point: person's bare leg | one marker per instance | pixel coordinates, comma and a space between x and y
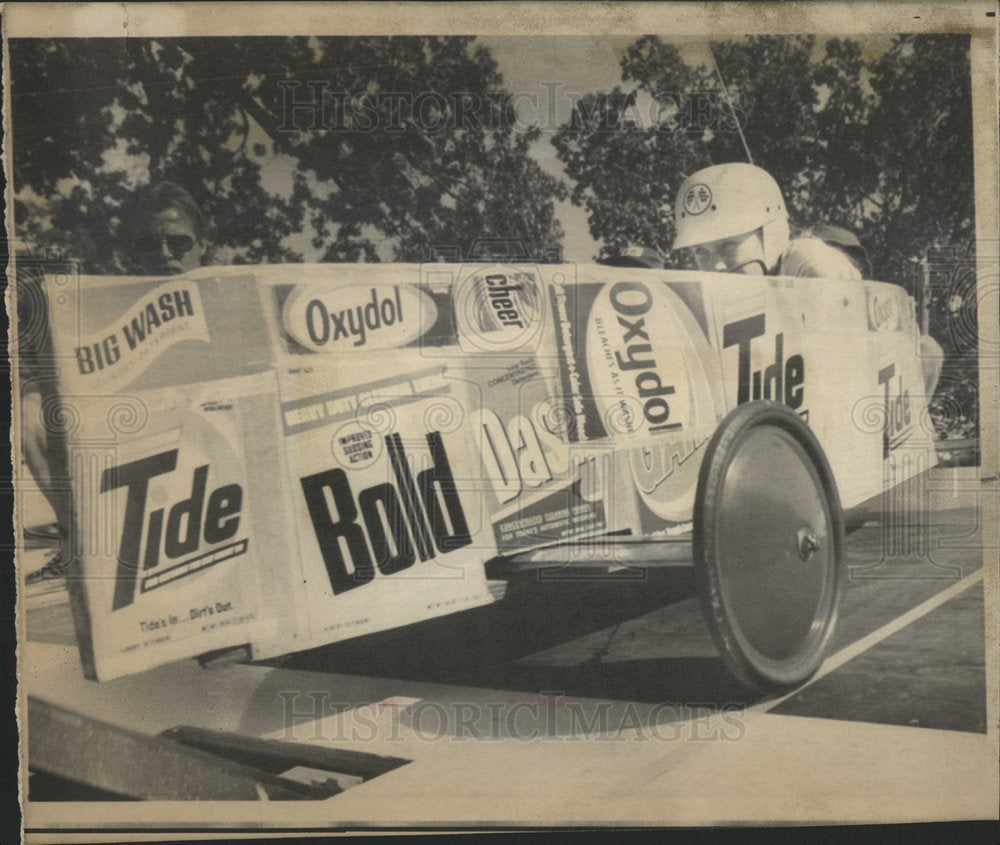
35, 445
35, 448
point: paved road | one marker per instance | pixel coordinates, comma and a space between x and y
897, 712
646, 641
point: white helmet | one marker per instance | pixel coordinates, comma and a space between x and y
726, 200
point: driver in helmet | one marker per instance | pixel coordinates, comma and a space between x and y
733, 219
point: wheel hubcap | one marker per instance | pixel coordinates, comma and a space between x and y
807, 542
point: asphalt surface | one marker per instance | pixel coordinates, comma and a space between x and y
596, 701
646, 641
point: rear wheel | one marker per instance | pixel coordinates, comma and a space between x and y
768, 545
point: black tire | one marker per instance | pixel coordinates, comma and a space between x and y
766, 495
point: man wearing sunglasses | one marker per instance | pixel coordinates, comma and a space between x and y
170, 236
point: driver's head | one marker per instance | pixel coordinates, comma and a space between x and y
732, 218
170, 231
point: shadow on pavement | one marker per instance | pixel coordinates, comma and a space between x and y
485, 647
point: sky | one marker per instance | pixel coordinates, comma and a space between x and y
547, 76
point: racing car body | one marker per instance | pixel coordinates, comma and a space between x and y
285, 456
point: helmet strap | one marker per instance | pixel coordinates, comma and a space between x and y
747, 263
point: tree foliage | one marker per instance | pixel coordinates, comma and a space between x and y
879, 141
414, 147
881, 145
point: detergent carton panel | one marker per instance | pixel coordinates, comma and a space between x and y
387, 498
181, 524
846, 363
490, 325
143, 334
285, 456
638, 371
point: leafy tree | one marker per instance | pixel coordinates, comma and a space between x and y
836, 131
918, 146
410, 144
623, 170
881, 144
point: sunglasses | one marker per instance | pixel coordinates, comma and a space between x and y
178, 245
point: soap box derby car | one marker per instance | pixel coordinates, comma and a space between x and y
278, 457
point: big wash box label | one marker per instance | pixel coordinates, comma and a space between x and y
117, 335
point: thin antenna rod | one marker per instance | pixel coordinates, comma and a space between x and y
729, 102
